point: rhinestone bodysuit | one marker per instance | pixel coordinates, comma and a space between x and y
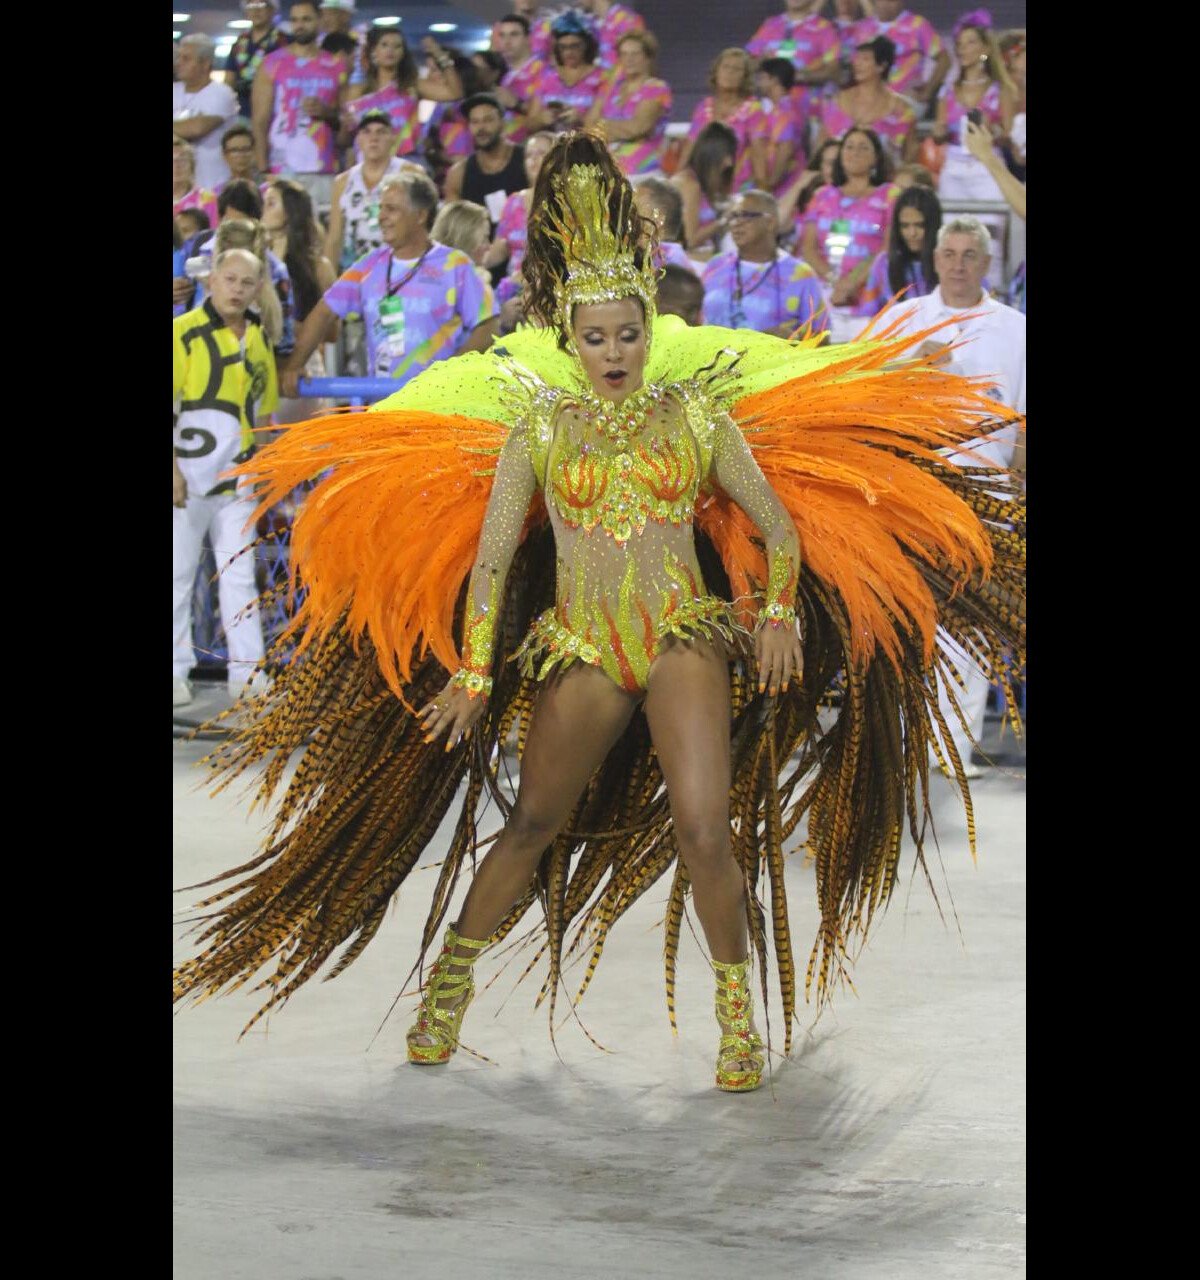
621, 510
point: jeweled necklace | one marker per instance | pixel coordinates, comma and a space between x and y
621, 422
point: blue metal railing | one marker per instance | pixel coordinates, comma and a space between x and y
358, 391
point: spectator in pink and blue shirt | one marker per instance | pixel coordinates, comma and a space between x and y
810, 43
634, 107
907, 264
572, 81
867, 101
785, 130
758, 286
734, 104
921, 59
612, 23
421, 301
847, 223
516, 88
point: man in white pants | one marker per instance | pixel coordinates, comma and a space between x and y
993, 338
224, 374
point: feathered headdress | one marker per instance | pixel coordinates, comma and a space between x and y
599, 250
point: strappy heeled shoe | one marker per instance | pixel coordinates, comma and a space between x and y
735, 1005
437, 1023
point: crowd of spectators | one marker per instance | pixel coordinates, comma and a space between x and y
384, 190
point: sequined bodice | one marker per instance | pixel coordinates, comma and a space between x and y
622, 518
619, 486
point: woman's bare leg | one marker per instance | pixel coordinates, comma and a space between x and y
687, 708
578, 717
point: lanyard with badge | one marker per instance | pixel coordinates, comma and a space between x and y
737, 317
390, 313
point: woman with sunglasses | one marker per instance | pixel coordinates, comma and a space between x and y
567, 89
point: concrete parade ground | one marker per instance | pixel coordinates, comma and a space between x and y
890, 1146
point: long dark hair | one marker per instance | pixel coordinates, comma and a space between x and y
544, 264
881, 170
303, 245
712, 160
406, 72
929, 207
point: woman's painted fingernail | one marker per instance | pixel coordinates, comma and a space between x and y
449, 745
772, 691
762, 686
429, 737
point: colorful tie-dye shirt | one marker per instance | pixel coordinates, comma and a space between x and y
809, 43
551, 88
298, 143
448, 123
878, 289
244, 60
893, 129
783, 128
513, 227
442, 301
988, 106
541, 41
917, 44
859, 223
521, 81
401, 108
199, 198
748, 122
645, 154
762, 295
619, 21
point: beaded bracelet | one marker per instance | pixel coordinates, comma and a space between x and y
477, 686
777, 615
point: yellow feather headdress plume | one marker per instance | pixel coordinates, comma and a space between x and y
600, 262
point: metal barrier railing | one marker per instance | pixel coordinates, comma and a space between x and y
358, 391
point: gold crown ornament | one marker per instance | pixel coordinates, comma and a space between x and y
600, 262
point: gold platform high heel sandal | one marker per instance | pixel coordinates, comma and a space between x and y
437, 1021
735, 1005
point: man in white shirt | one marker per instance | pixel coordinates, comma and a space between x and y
993, 344
201, 108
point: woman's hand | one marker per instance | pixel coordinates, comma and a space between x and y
979, 143
780, 656
453, 709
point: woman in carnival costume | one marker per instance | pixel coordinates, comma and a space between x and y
656, 552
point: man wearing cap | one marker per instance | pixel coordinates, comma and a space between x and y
495, 168
250, 48
354, 216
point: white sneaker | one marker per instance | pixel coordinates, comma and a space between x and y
181, 692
